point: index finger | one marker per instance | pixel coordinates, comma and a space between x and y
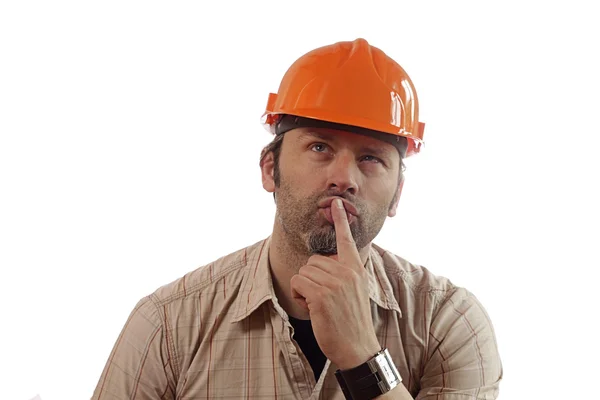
346, 247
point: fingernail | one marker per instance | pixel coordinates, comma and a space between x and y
339, 204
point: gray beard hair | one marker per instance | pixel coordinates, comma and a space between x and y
325, 243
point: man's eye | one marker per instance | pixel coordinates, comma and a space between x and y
371, 159
319, 147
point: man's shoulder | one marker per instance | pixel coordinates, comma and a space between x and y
415, 277
229, 268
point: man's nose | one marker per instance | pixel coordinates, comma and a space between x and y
342, 173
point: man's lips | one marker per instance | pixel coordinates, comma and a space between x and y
347, 205
329, 215
326, 205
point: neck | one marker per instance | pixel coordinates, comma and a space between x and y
286, 258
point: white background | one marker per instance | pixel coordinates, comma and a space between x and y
129, 144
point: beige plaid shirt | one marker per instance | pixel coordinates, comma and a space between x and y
219, 333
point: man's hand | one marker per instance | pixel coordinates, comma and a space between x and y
335, 292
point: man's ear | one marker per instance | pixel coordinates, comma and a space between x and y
267, 168
394, 205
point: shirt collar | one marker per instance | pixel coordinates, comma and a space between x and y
380, 288
257, 284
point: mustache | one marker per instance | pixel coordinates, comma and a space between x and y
343, 195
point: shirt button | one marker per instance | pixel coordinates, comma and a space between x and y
292, 349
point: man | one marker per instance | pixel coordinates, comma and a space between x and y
316, 310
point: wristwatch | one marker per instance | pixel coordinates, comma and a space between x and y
371, 379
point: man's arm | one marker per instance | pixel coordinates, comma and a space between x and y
139, 364
463, 355
463, 359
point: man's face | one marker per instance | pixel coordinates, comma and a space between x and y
317, 165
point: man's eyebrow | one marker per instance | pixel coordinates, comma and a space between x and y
382, 152
316, 134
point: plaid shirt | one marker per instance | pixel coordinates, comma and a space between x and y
218, 332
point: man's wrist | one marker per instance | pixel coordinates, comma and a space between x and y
357, 358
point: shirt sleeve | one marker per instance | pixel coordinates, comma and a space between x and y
463, 360
139, 366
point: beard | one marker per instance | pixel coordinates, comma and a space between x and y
310, 233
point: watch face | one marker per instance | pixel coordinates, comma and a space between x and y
387, 372
387, 369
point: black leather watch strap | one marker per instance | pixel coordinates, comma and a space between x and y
366, 393
362, 375
369, 380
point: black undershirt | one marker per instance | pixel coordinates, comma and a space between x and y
305, 337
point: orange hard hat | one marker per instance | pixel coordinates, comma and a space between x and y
352, 84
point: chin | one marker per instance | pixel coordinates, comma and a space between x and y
322, 241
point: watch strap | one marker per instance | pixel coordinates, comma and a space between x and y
370, 379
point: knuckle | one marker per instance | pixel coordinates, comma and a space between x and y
348, 273
321, 295
348, 239
337, 285
354, 276
306, 270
